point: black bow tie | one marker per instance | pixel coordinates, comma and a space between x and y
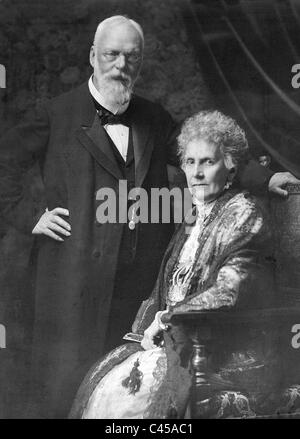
107, 117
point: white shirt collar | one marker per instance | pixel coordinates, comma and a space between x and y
101, 100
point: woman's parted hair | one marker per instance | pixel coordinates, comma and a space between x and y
214, 127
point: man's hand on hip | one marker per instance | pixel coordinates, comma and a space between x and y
51, 222
278, 182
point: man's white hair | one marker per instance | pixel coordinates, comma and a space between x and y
115, 20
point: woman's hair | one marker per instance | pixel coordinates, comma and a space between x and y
214, 127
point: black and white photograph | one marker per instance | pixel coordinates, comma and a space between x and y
149, 202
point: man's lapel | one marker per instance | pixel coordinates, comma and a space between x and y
142, 145
93, 137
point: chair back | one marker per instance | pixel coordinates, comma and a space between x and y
286, 226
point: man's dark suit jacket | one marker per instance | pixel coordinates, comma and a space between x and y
75, 279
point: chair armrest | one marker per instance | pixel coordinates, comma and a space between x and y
200, 326
262, 317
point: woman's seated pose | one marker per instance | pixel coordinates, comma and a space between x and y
219, 257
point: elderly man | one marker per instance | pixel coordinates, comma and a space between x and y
91, 277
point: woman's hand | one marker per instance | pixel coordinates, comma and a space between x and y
149, 334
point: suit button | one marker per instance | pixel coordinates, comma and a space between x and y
96, 253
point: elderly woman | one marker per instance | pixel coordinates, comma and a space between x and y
219, 260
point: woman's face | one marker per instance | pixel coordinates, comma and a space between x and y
205, 170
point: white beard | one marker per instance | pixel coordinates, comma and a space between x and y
116, 92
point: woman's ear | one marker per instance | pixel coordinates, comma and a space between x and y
232, 173
230, 177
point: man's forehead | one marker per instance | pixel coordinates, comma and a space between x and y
119, 33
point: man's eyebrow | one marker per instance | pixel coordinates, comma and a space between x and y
130, 52
202, 159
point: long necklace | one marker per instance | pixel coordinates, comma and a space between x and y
180, 280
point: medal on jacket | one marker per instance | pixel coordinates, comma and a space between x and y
131, 223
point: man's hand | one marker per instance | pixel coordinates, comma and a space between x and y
279, 180
149, 334
51, 222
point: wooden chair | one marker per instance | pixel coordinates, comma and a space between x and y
200, 327
282, 318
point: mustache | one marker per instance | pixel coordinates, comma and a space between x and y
122, 78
